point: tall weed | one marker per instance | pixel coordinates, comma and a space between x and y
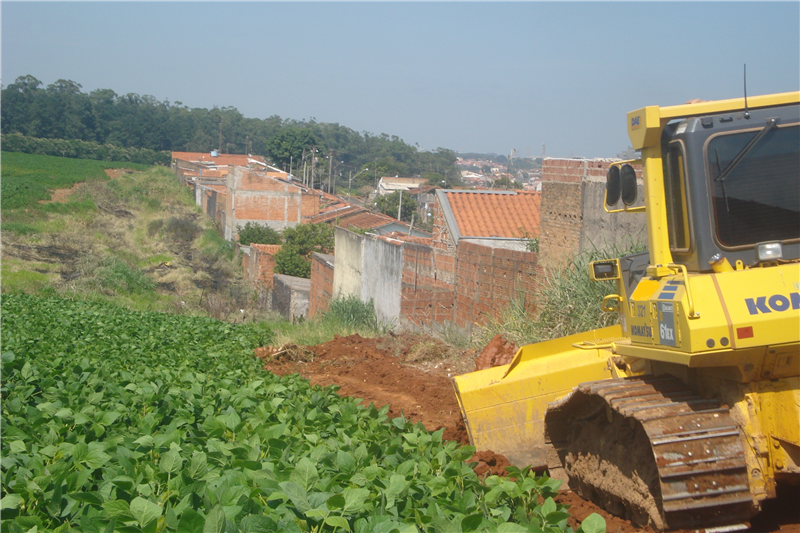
567, 302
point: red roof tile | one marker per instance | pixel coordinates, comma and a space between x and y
494, 214
239, 160
366, 220
334, 214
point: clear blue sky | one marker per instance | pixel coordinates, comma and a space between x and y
476, 76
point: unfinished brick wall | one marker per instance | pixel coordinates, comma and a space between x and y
321, 291
444, 246
572, 219
561, 222
261, 198
426, 299
488, 279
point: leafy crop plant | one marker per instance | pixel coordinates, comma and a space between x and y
118, 421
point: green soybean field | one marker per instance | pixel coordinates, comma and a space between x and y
122, 421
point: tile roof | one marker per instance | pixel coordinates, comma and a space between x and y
336, 213
240, 160
367, 220
494, 213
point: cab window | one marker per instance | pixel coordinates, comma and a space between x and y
675, 192
757, 199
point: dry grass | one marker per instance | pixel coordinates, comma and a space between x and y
118, 251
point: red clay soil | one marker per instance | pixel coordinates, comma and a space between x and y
498, 352
376, 371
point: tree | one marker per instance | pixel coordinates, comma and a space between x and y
506, 183
294, 257
288, 144
253, 233
388, 205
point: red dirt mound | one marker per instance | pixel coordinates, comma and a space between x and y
498, 352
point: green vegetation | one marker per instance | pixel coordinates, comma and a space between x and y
27, 178
294, 257
74, 148
60, 119
115, 420
253, 233
568, 302
345, 316
506, 183
388, 204
137, 240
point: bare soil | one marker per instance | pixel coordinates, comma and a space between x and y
390, 371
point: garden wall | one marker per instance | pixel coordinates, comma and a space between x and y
321, 290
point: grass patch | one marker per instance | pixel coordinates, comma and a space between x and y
154, 260
345, 316
19, 227
25, 281
214, 246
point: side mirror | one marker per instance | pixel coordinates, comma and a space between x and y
612, 186
607, 269
627, 178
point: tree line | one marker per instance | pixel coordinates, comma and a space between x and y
62, 110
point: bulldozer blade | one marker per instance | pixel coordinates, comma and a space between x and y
504, 407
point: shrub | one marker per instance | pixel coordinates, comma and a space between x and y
294, 258
118, 277
182, 229
253, 233
290, 262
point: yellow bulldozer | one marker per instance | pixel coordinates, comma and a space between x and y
687, 413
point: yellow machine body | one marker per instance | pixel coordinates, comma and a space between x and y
732, 333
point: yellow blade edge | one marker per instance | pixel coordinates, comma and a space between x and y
504, 407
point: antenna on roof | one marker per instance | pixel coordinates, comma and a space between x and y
746, 111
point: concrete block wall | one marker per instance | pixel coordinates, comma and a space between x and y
291, 297
489, 279
381, 277
427, 297
321, 290
572, 218
349, 248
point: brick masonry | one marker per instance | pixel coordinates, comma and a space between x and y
488, 280
444, 284
321, 284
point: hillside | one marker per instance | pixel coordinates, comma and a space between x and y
133, 237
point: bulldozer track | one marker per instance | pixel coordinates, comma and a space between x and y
697, 448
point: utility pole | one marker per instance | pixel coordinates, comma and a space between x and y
220, 135
313, 158
400, 206
330, 169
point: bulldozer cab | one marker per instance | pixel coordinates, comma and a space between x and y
720, 181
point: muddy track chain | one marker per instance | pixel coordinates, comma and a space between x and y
696, 445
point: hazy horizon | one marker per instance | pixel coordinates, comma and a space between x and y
475, 77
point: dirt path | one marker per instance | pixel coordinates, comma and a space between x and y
378, 371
